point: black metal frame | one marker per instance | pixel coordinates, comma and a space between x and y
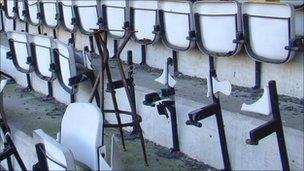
168, 92
1, 18
10, 79
29, 17
200, 44
162, 31
272, 126
42, 164
210, 110
43, 13
126, 83
14, 9
62, 16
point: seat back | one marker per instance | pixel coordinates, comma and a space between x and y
20, 51
262, 23
21, 10
218, 24
32, 11
115, 14
64, 59
58, 156
10, 8
176, 23
41, 50
143, 12
83, 9
81, 132
67, 15
50, 13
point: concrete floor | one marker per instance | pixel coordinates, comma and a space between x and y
27, 111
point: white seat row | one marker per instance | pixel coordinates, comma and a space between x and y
215, 26
48, 57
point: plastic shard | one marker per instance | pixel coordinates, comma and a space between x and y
166, 77
262, 106
218, 86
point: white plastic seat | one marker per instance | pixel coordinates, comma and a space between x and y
10, 8
268, 29
32, 11
50, 13
85, 9
114, 14
66, 64
143, 18
58, 156
41, 50
176, 23
81, 133
67, 13
20, 51
21, 10
218, 24
82, 126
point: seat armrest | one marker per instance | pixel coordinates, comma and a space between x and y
59, 157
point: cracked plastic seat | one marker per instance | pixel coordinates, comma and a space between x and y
70, 66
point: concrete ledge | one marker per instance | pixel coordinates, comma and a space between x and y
199, 143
